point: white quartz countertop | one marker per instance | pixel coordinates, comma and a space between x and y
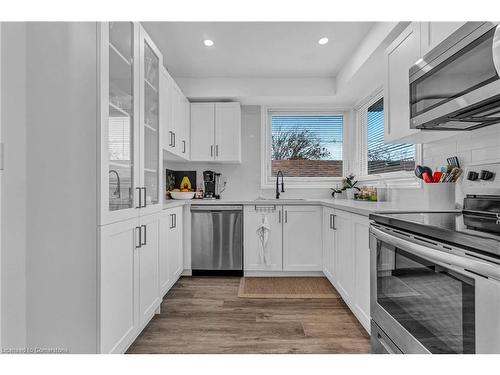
358, 207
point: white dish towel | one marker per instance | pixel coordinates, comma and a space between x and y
263, 236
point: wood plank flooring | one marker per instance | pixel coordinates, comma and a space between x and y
205, 315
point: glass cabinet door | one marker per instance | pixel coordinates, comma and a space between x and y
121, 116
150, 124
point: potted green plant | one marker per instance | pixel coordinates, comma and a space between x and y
348, 185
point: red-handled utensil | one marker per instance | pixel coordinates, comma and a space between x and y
436, 177
427, 178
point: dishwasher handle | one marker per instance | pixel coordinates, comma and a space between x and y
211, 208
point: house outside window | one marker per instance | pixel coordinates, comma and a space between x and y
306, 145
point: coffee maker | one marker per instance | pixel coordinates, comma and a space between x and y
211, 180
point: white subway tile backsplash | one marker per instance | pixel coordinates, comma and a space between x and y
486, 154
473, 146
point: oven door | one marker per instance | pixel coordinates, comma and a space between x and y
430, 301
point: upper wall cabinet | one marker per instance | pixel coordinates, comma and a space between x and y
414, 42
174, 108
129, 143
433, 33
150, 62
216, 132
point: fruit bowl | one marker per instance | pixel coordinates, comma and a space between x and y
184, 195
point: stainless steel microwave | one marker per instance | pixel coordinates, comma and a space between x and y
456, 86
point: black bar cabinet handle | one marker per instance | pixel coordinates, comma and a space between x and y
139, 236
145, 230
140, 200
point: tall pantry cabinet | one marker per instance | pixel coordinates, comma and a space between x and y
130, 185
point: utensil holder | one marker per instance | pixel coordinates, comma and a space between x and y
440, 196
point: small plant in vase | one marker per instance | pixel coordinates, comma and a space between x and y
348, 185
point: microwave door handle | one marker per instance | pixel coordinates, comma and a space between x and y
496, 49
477, 266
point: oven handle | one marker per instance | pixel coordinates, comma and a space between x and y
476, 266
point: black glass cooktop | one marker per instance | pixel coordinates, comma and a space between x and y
474, 230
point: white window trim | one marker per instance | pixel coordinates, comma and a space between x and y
401, 179
268, 181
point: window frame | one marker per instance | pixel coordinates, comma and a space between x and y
267, 180
399, 179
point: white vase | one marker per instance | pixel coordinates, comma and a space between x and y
350, 193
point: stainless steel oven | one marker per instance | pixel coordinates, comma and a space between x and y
456, 86
431, 297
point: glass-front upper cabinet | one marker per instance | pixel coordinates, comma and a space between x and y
151, 61
130, 131
119, 151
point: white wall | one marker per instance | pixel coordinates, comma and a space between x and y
62, 186
14, 185
49, 186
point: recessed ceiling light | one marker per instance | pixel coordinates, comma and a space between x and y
208, 42
323, 41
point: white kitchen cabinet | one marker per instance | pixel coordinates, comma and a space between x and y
175, 241
167, 123
118, 285
302, 244
129, 280
328, 236
149, 98
185, 131
360, 240
119, 132
253, 219
149, 292
171, 248
346, 259
202, 131
164, 276
130, 183
228, 132
174, 117
344, 255
433, 33
216, 132
399, 57
403, 52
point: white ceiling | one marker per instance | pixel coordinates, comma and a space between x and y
256, 49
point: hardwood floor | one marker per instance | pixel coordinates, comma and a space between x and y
205, 315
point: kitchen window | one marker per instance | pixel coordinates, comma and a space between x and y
385, 157
378, 160
307, 146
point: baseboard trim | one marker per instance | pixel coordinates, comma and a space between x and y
283, 273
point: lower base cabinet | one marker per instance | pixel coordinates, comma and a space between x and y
128, 282
149, 288
254, 218
346, 259
302, 250
328, 244
361, 245
171, 248
293, 239
118, 285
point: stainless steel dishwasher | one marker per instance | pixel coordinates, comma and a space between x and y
216, 240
